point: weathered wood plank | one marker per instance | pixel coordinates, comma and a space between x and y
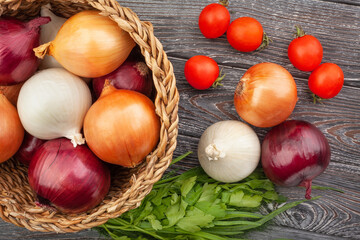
336, 24
274, 232
349, 2
11, 232
339, 118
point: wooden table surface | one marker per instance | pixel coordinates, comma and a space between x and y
336, 23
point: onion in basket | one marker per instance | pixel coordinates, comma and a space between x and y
131, 75
17, 40
121, 127
71, 179
48, 33
11, 130
53, 104
89, 45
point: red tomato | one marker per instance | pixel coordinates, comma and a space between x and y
305, 52
326, 80
214, 20
201, 72
245, 34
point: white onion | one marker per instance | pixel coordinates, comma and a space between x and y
229, 151
48, 33
53, 104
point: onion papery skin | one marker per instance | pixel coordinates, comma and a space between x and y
121, 127
294, 153
28, 148
266, 95
17, 59
12, 92
73, 180
90, 45
11, 130
48, 33
131, 75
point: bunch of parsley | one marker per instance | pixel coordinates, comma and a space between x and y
194, 206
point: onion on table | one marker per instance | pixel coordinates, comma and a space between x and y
266, 95
294, 153
229, 151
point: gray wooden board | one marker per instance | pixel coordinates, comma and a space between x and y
337, 25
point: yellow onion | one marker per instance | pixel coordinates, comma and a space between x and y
121, 127
89, 45
266, 95
11, 130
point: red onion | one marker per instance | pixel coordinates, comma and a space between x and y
28, 148
17, 59
131, 75
294, 153
71, 179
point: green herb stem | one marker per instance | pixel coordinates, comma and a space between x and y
162, 182
238, 214
180, 158
133, 228
227, 223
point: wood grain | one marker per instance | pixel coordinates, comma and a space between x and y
336, 23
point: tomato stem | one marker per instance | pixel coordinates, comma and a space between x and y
225, 3
299, 31
265, 42
219, 79
316, 98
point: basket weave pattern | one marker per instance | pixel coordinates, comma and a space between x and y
128, 186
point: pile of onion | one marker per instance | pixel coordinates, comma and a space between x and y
54, 106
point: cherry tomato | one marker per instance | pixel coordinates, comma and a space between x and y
214, 20
326, 80
201, 72
245, 34
305, 52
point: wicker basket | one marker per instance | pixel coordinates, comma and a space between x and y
128, 186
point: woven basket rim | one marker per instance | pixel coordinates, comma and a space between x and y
16, 196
